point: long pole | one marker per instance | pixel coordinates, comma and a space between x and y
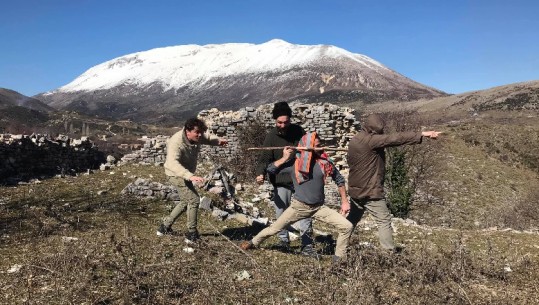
300, 148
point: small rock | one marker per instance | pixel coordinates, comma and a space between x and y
205, 203
216, 190
410, 222
68, 238
188, 250
262, 220
219, 214
243, 275
110, 159
101, 192
366, 244
14, 269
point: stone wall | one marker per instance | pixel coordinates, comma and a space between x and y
24, 157
336, 126
152, 152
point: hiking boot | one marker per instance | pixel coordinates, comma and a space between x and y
192, 237
163, 230
247, 245
308, 250
338, 265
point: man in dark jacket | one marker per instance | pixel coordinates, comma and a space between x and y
366, 158
284, 134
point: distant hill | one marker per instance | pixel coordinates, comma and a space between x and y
170, 84
20, 113
522, 96
10, 98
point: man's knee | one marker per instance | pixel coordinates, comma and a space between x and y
346, 227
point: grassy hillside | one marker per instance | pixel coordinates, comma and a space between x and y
77, 240
484, 169
475, 239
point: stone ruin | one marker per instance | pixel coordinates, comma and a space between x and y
26, 157
335, 125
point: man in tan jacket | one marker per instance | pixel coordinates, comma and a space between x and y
180, 166
366, 158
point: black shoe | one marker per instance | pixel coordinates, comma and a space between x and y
192, 237
162, 230
397, 250
308, 250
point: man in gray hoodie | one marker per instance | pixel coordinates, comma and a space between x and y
308, 172
366, 159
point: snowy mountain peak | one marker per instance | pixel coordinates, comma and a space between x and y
177, 66
173, 83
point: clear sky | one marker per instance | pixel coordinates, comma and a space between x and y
452, 45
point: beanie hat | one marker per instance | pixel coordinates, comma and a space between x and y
280, 109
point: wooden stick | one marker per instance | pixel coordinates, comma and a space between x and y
300, 148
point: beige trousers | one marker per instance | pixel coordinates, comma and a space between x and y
189, 200
381, 215
299, 210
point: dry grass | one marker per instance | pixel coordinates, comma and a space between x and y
117, 259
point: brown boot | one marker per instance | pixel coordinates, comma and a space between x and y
246, 245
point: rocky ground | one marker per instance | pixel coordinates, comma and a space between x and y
471, 236
78, 240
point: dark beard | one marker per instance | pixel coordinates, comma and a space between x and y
282, 131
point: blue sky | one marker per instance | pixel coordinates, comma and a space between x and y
454, 46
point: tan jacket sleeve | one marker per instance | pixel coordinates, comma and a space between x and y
209, 139
173, 155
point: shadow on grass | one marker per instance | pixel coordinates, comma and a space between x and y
242, 233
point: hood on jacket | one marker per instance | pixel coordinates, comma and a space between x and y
374, 124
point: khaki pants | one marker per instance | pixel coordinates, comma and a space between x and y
381, 215
189, 200
282, 197
299, 210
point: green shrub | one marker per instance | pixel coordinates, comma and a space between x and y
400, 187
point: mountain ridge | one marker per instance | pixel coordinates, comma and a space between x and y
172, 83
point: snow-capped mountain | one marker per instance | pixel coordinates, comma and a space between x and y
176, 82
